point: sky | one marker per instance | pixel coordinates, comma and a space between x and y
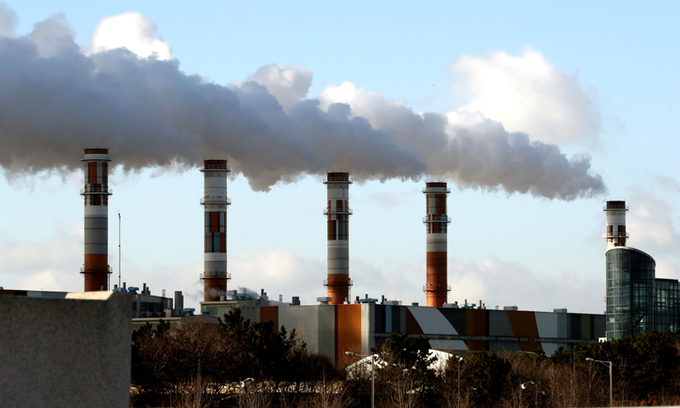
534, 113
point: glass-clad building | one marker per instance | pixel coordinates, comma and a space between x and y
630, 293
666, 304
636, 301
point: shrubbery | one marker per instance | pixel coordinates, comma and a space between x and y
249, 364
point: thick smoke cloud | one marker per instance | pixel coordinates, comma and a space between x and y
55, 99
472, 149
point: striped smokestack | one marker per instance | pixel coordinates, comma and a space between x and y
338, 213
436, 222
215, 203
616, 234
96, 194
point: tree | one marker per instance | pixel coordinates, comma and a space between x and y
404, 369
488, 377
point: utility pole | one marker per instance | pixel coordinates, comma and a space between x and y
119, 254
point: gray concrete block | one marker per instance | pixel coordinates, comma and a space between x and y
72, 352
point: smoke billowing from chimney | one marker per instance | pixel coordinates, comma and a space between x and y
57, 99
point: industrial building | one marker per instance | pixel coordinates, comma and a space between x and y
337, 324
637, 302
332, 330
144, 304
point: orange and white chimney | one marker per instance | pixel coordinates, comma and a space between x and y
338, 213
96, 194
215, 203
436, 221
616, 234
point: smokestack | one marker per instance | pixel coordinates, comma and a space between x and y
616, 234
215, 203
436, 222
96, 194
338, 213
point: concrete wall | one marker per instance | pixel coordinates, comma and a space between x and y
72, 352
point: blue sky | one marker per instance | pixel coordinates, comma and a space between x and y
595, 80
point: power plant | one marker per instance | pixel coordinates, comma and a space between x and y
338, 323
96, 192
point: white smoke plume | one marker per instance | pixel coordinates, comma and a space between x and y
8, 20
288, 85
130, 30
528, 94
56, 99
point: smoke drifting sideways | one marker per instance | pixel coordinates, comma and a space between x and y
56, 99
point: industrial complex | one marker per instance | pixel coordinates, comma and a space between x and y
636, 300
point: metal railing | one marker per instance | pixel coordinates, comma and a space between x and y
109, 270
96, 190
349, 283
620, 235
211, 275
430, 288
216, 167
442, 219
446, 190
215, 200
337, 180
344, 211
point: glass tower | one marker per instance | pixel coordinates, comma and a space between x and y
630, 293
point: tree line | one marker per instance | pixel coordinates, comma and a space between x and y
239, 363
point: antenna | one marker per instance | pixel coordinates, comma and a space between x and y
119, 257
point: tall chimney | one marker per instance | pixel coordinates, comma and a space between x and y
215, 203
96, 194
436, 222
616, 234
338, 213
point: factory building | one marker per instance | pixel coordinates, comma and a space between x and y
637, 302
332, 330
144, 304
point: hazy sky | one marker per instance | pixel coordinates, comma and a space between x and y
534, 113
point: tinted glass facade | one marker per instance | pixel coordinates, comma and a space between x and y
666, 304
630, 293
